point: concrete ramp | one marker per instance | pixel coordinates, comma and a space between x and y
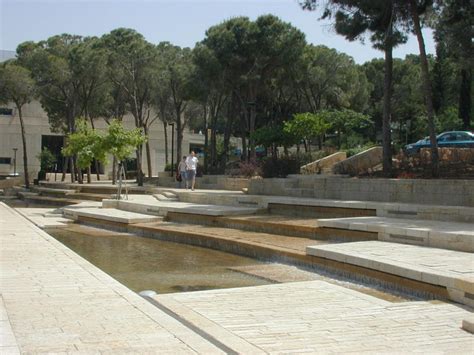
360, 163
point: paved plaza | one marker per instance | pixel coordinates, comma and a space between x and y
318, 317
52, 300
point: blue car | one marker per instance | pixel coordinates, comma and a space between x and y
452, 139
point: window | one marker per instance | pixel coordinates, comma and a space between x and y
4, 160
5, 111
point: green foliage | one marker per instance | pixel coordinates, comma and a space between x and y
307, 126
85, 143
88, 144
47, 159
16, 84
359, 149
448, 120
121, 142
268, 136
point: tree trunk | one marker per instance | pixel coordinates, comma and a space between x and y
465, 97
96, 163
165, 132
97, 169
114, 170
253, 115
79, 171
227, 132
89, 174
65, 165
25, 154
148, 153
426, 89
387, 108
179, 134
213, 143
139, 165
72, 169
206, 149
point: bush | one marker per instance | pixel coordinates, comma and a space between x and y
249, 169
47, 159
356, 150
306, 158
168, 167
280, 167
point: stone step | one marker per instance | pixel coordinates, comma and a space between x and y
48, 191
437, 234
109, 214
169, 194
273, 224
89, 196
162, 197
447, 268
48, 200
150, 205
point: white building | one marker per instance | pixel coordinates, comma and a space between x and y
39, 135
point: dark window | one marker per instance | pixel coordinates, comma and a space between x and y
5, 160
6, 111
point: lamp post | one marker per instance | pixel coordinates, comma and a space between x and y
14, 161
172, 149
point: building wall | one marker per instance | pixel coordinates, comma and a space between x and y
37, 125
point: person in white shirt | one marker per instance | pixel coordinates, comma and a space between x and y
191, 167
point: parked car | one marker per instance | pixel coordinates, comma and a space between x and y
452, 139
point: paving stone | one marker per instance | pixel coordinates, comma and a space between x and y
56, 301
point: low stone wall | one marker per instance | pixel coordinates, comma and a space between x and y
360, 163
218, 182
420, 191
10, 182
325, 163
449, 154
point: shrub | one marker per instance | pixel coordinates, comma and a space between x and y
356, 150
249, 169
280, 167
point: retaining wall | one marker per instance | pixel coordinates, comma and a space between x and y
420, 191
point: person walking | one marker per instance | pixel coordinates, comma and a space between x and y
182, 173
191, 167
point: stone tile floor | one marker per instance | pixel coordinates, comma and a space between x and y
55, 301
318, 317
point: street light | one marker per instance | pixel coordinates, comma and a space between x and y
14, 161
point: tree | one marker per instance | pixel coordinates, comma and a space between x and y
17, 86
51, 63
88, 144
344, 121
85, 143
384, 20
274, 137
176, 69
208, 88
306, 126
331, 80
132, 64
90, 63
416, 9
249, 52
454, 31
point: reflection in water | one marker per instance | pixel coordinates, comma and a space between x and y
149, 264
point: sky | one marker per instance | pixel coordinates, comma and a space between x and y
181, 22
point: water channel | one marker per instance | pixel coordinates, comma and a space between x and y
150, 264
